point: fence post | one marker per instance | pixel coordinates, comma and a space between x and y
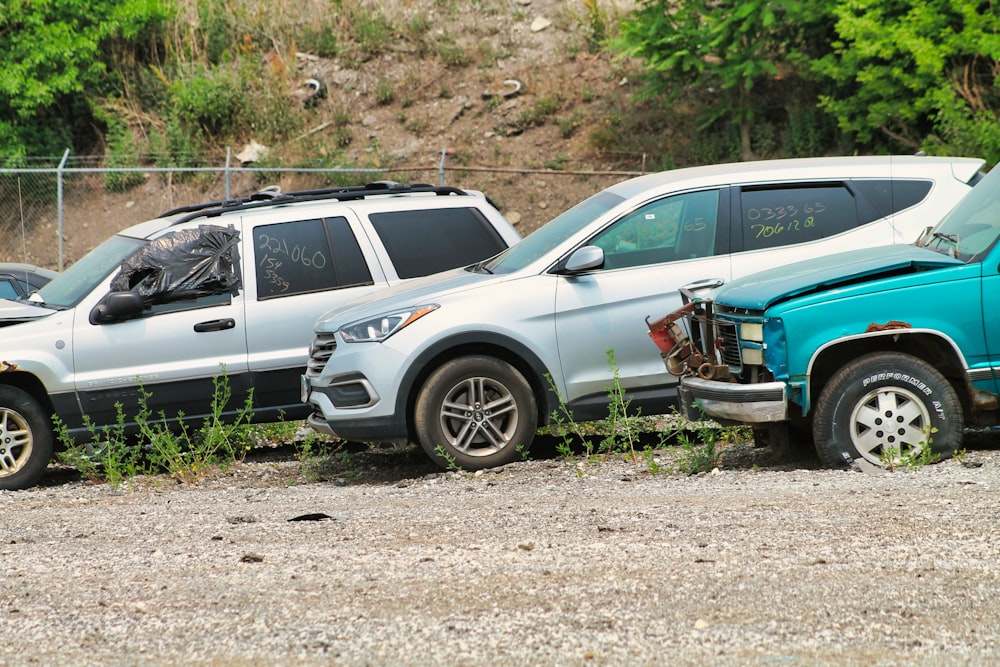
444, 151
59, 204
229, 153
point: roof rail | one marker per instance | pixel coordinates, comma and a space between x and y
272, 195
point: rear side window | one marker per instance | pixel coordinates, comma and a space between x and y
892, 196
423, 242
772, 217
307, 256
7, 290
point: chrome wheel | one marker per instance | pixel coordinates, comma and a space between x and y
15, 442
479, 416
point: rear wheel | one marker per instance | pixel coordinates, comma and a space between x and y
886, 407
25, 439
474, 413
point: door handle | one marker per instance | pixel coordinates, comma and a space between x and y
215, 325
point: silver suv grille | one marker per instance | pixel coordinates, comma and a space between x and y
320, 350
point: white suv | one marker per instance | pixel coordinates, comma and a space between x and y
166, 305
465, 362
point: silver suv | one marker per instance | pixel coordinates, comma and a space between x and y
235, 286
471, 362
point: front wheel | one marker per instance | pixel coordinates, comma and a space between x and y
886, 407
25, 439
475, 413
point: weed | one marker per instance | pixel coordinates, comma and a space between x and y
648, 455
384, 92
452, 465
703, 457
524, 451
621, 432
451, 54
892, 457
158, 445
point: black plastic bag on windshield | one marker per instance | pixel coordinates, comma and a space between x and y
184, 264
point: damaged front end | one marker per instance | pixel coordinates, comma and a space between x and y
688, 342
720, 363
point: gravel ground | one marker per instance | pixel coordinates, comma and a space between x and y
544, 562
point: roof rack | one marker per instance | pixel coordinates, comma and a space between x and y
273, 195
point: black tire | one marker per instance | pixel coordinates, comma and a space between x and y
25, 439
885, 389
475, 413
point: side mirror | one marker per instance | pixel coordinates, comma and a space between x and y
583, 259
117, 306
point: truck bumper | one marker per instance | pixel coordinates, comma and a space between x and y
727, 401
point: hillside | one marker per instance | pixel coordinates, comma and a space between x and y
518, 142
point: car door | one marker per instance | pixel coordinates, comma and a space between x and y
649, 254
300, 270
176, 348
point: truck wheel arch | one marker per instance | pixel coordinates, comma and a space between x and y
932, 346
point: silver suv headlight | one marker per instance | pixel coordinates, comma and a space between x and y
377, 329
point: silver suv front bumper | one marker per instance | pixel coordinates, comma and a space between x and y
728, 401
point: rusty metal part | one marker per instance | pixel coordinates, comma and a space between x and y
6, 366
984, 400
891, 324
709, 371
678, 361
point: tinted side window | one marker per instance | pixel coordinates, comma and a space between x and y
775, 217
890, 196
669, 229
423, 242
307, 256
7, 290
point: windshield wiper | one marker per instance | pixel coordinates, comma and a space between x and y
953, 239
481, 267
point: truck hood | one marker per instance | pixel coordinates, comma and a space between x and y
15, 312
758, 291
416, 292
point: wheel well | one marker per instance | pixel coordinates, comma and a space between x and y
932, 349
31, 384
545, 397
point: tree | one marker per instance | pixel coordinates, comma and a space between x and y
728, 46
920, 72
55, 55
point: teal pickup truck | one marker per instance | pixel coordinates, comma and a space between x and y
876, 354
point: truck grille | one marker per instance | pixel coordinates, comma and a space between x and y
322, 347
729, 343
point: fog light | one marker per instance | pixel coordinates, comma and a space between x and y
752, 356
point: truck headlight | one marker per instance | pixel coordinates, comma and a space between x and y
377, 329
752, 331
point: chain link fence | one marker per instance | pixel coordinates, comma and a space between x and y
55, 210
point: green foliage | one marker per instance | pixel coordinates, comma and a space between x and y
893, 457
914, 69
112, 456
700, 454
209, 100
727, 48
121, 153
55, 55
619, 433
385, 91
449, 460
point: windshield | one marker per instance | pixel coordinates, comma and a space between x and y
66, 289
971, 228
554, 232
